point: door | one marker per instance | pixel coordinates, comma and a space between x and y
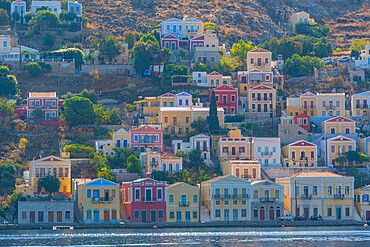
259, 61
59, 216
306, 212
187, 216
271, 214
51, 216
125, 144
32, 217
233, 150
178, 216
96, 215
106, 215
265, 107
367, 215
259, 108
226, 214
47, 115
338, 213
143, 216
235, 214
262, 213
153, 216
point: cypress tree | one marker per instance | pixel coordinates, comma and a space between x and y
214, 124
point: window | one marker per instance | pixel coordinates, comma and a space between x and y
315, 211
235, 202
137, 194
171, 198
332, 149
337, 103
195, 198
323, 103
329, 212
244, 202
136, 138
347, 212
218, 203
88, 214
24, 215
5, 43
172, 214
68, 215
346, 190
266, 60
244, 212
277, 194
232, 98
160, 214
330, 190
195, 214
226, 203
252, 60
136, 214
32, 103
314, 190
217, 213
274, 149
255, 213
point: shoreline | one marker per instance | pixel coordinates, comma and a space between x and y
158, 225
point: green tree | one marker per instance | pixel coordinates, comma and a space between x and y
214, 124
195, 159
183, 176
44, 19
358, 45
4, 71
69, 53
8, 174
301, 66
4, 18
355, 53
241, 49
129, 38
89, 94
341, 160
322, 49
356, 157
79, 110
50, 184
160, 176
133, 164
183, 53
8, 86
150, 39
118, 160
166, 54
16, 16
49, 39
5, 4
33, 69
38, 114
142, 55
361, 178
132, 88
199, 125
110, 47
171, 70
227, 65
103, 171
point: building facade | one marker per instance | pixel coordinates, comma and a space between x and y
267, 151
360, 104
300, 154
227, 98
362, 201
146, 137
246, 169
48, 103
335, 147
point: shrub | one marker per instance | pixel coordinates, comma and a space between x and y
33, 69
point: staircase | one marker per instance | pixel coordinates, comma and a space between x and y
204, 214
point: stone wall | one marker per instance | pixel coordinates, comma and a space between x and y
289, 133
121, 69
280, 172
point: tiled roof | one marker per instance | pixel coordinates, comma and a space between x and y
42, 94
302, 143
259, 50
339, 119
316, 175
214, 179
167, 155
101, 182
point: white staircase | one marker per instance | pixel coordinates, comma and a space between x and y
204, 214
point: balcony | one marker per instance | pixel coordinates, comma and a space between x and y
306, 197
246, 176
338, 196
364, 106
43, 107
330, 107
226, 102
229, 196
154, 163
184, 204
311, 107
267, 199
149, 199
102, 199
266, 153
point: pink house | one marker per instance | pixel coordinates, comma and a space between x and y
146, 137
196, 42
144, 200
171, 42
302, 120
227, 98
48, 102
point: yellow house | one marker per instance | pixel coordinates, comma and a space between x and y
214, 79
300, 154
235, 148
336, 147
267, 201
247, 169
259, 59
167, 100
324, 194
98, 201
227, 198
300, 17
122, 58
48, 166
154, 161
120, 140
149, 106
182, 203
193, 28
261, 99
360, 103
362, 201
339, 125
177, 120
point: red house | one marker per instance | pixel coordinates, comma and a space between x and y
171, 42
227, 98
144, 200
302, 120
48, 102
196, 42
146, 137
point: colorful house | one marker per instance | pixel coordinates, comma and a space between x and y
302, 120
120, 140
234, 148
44, 167
300, 17
267, 151
324, 194
300, 154
362, 201
335, 147
267, 201
48, 103
360, 104
246, 169
227, 198
259, 59
262, 99
171, 42
153, 161
144, 200
182, 203
19, 7
227, 98
339, 125
363, 145
199, 142
193, 28
146, 137
174, 27
99, 202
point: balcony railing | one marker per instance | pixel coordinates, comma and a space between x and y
102, 199
266, 153
245, 176
267, 199
261, 99
149, 199
364, 106
43, 107
229, 196
330, 107
306, 197
154, 163
339, 196
309, 107
184, 204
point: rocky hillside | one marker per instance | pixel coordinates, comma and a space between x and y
255, 20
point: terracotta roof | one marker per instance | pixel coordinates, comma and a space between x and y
214, 179
225, 87
167, 155
259, 50
214, 73
316, 175
262, 87
302, 143
42, 94
339, 119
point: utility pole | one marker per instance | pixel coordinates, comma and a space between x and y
296, 203
200, 197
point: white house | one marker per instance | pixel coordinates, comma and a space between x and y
183, 99
53, 6
19, 7
200, 142
174, 27
11, 51
200, 78
75, 7
267, 151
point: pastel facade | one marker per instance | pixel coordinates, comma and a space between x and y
198, 142
174, 27
53, 6
227, 198
47, 102
153, 161
19, 7
324, 194
200, 78
146, 137
363, 145
360, 104
98, 201
303, 121
227, 98
259, 59
144, 200
120, 140
300, 17
261, 99
193, 28
182, 203
300, 154
362, 201
267, 151
335, 147
267, 201
339, 125
246, 169
234, 148
75, 7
